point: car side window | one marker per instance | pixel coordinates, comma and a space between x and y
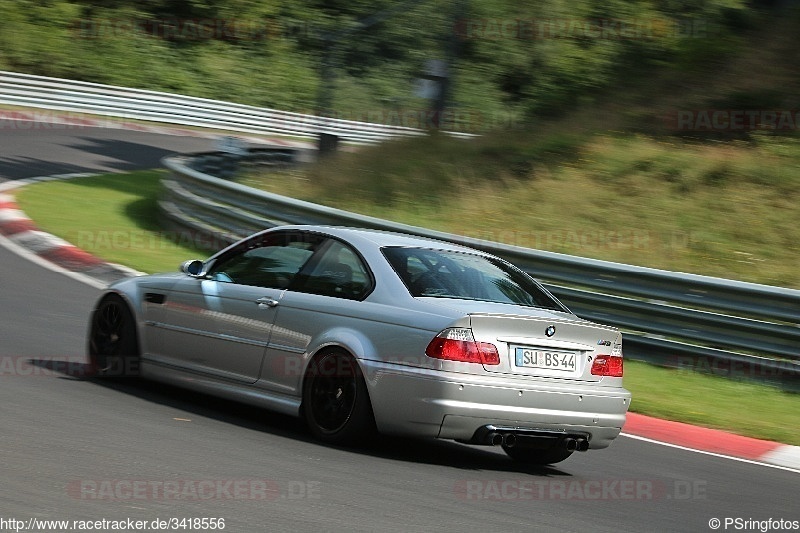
270, 262
339, 272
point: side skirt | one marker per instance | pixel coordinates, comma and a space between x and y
249, 394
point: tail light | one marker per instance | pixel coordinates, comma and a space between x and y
607, 365
458, 344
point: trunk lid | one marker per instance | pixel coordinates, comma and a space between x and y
544, 345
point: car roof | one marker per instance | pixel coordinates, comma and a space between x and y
381, 238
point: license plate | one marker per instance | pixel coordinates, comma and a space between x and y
547, 359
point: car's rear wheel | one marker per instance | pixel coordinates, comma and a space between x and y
537, 457
336, 403
113, 346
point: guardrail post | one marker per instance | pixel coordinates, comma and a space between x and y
328, 143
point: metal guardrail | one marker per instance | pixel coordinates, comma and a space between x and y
108, 100
671, 319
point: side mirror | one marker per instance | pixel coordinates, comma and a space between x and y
193, 267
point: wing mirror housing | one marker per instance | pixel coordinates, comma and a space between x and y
193, 267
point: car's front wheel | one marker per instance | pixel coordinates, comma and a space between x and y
537, 457
113, 346
336, 402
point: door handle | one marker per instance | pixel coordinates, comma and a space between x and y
266, 301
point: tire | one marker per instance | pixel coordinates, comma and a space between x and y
113, 345
537, 457
336, 402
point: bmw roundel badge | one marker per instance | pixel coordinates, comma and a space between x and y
550, 331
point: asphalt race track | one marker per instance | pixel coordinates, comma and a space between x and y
58, 149
80, 449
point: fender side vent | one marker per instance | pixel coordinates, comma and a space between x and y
154, 297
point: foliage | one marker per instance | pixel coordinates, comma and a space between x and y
513, 60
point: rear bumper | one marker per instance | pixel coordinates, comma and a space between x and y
450, 405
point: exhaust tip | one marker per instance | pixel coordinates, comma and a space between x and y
495, 439
582, 445
571, 444
510, 440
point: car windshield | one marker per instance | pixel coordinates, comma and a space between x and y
450, 274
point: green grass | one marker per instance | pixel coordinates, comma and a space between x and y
745, 408
113, 216
720, 209
85, 209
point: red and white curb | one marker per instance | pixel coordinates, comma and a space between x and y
50, 120
20, 233
712, 442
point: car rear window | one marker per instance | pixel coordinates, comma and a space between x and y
451, 274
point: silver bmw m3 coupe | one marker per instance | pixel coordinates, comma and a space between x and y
360, 331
